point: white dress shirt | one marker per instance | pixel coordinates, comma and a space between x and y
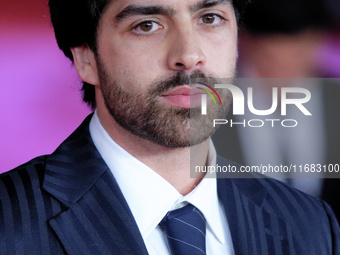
150, 196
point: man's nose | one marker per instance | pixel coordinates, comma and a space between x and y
186, 53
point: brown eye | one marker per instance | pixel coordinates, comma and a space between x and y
208, 19
146, 26
212, 20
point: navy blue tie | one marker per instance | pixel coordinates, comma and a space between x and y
185, 231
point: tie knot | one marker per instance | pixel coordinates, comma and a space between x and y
185, 230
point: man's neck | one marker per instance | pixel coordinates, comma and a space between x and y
173, 164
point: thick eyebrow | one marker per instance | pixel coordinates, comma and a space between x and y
144, 10
163, 10
207, 4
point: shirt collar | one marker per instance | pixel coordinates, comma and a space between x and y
205, 198
150, 196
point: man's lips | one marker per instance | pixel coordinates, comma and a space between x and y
183, 97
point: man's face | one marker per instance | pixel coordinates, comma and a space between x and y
147, 52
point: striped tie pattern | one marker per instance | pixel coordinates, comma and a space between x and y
185, 231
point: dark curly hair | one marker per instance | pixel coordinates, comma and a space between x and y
75, 24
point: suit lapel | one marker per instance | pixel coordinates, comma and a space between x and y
97, 219
254, 228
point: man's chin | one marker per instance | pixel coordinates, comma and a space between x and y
180, 136
191, 138
180, 143
166, 126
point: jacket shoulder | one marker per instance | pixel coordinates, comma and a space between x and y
25, 208
283, 211
31, 170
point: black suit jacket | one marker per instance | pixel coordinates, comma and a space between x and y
69, 203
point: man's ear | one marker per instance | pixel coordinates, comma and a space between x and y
85, 63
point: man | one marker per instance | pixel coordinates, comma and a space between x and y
115, 185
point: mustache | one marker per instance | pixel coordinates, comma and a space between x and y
180, 79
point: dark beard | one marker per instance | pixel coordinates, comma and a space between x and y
155, 121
